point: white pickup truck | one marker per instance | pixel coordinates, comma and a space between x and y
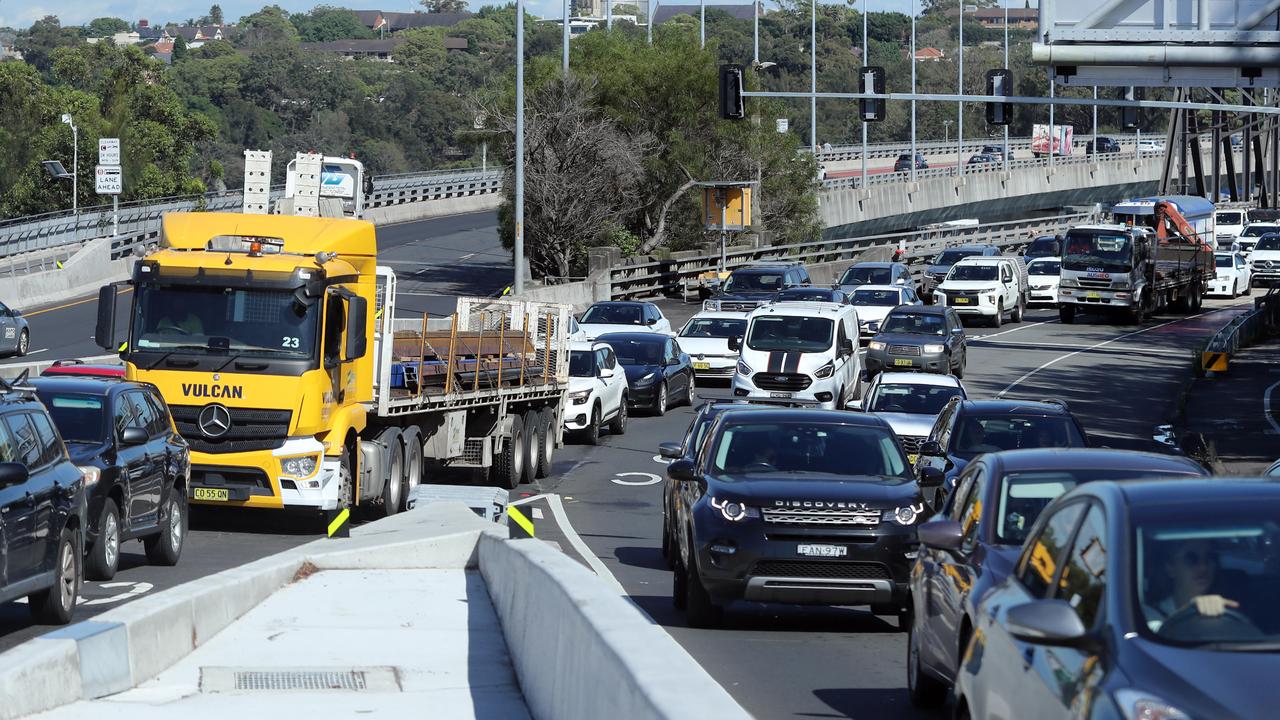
986, 287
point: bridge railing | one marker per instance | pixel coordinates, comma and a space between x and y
878, 150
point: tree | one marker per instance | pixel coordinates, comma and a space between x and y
445, 6
105, 27
179, 49
215, 14
38, 42
268, 26
326, 24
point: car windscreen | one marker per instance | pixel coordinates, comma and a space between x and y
910, 398
978, 434
80, 418
866, 276
753, 282
637, 352
951, 257
1225, 261
1043, 246
974, 272
1206, 575
1024, 495
801, 450
714, 328
1045, 268
1258, 230
581, 363
1268, 242
1229, 218
921, 323
790, 332
882, 298
613, 315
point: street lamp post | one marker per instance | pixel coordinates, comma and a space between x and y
813, 76
517, 285
75, 162
702, 23
564, 49
1006, 64
960, 91
946, 135
863, 179
913, 90
755, 31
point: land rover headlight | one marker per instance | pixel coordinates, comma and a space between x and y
905, 515
301, 466
734, 511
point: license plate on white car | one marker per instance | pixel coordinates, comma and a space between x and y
781, 394
822, 550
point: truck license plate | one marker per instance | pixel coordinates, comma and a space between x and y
1093, 296
912, 458
219, 494
702, 366
961, 300
780, 394
822, 550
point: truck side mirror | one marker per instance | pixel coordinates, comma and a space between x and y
105, 332
357, 314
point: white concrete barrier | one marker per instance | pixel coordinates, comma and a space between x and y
581, 651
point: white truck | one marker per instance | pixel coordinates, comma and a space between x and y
1060, 137
986, 287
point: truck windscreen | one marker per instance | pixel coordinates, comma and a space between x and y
1107, 252
250, 322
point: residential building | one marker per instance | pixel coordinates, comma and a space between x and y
120, 38
994, 17
928, 54
392, 22
381, 50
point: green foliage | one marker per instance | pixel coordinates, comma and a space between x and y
326, 24
105, 27
444, 6
268, 26
45, 35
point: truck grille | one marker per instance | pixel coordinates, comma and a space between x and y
823, 570
904, 350
1095, 284
821, 516
781, 381
251, 429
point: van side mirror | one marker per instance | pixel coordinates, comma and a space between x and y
105, 331
735, 343
357, 316
846, 346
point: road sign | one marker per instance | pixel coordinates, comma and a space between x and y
110, 179
108, 151
783, 124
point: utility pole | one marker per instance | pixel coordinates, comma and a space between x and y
1006, 65
862, 181
813, 77
608, 14
702, 24
648, 6
564, 35
75, 162
960, 103
517, 286
755, 31
913, 90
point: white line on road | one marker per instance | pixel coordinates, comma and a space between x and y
468, 256
1266, 406
1012, 330
562, 520
1095, 346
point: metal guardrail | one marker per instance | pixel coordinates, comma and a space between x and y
853, 151
657, 277
1243, 331
884, 178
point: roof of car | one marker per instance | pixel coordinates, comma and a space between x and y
919, 309
83, 384
633, 337
718, 315
1045, 259
1015, 407
583, 346
717, 407
919, 378
973, 248
860, 288
802, 308
1150, 493
1096, 458
767, 267
621, 302
983, 260
873, 264
806, 415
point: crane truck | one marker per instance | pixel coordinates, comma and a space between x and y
1153, 260
274, 338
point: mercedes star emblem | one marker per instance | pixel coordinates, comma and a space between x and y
215, 420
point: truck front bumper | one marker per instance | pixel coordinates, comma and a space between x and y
1097, 298
258, 480
820, 393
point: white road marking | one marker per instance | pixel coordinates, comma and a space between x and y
1095, 346
1011, 330
531, 498
649, 479
136, 589
1266, 406
37, 352
661, 460
468, 256
537, 513
562, 520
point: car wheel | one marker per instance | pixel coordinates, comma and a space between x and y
1248, 288
660, 403
700, 609
591, 435
104, 557
924, 690
166, 547
679, 578
998, 319
55, 605
689, 390
24, 342
618, 425
1235, 289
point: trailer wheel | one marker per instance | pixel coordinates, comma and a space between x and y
412, 464
509, 467
1196, 300
533, 431
547, 441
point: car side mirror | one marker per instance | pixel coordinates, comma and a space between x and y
931, 448
854, 405
670, 450
682, 470
931, 477
605, 373
735, 343
1047, 622
12, 473
132, 436
941, 534
651, 321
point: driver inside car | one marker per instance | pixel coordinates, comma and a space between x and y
1191, 569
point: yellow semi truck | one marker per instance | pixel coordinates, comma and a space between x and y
275, 341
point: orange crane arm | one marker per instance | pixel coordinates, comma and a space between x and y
1170, 224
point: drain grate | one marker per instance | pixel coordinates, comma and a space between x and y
225, 679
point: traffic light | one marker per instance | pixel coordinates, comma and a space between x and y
999, 82
871, 80
731, 107
1129, 115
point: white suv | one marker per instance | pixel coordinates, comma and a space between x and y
597, 392
986, 287
1264, 261
799, 354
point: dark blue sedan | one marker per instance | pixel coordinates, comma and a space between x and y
659, 373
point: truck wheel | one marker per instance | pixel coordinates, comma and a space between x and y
55, 605
547, 438
1066, 314
393, 489
700, 609
104, 557
412, 465
165, 548
346, 480
532, 444
509, 467
1018, 311
618, 425
998, 320
1196, 300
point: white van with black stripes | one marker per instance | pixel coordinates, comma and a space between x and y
799, 353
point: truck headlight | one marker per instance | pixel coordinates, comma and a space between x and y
935, 348
90, 474
302, 466
905, 515
1067, 282
825, 371
734, 511
580, 397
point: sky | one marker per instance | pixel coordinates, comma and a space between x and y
21, 13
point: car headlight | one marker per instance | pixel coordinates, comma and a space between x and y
90, 474
712, 305
1139, 705
302, 466
825, 371
743, 368
648, 378
579, 397
935, 348
989, 299
905, 515
875, 345
734, 511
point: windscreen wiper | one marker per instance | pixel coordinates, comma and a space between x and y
175, 349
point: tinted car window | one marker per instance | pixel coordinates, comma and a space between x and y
8, 447
124, 416
613, 315
24, 436
1084, 576
50, 444
754, 282
801, 450
979, 434
1041, 556
714, 328
581, 364
925, 323
145, 414
78, 417
971, 513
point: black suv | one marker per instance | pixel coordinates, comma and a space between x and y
1102, 146
794, 506
136, 466
753, 285
903, 163
966, 429
42, 509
